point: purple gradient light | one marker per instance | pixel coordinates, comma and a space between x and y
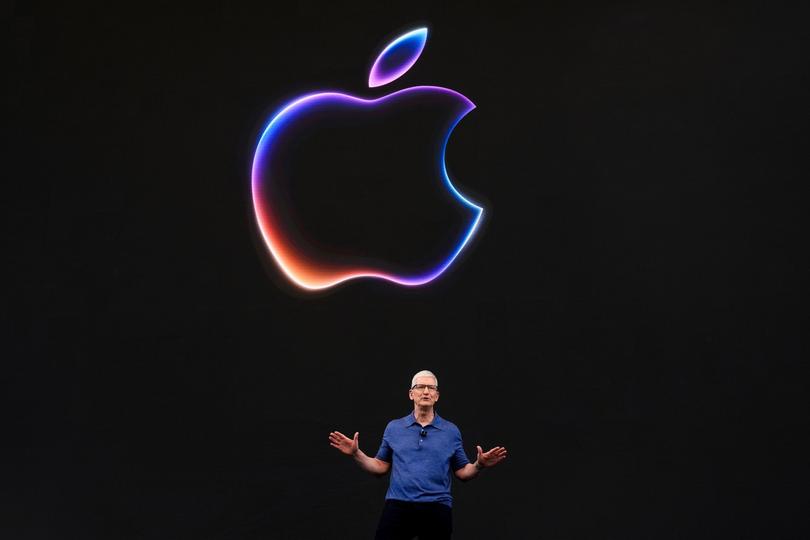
390, 64
306, 273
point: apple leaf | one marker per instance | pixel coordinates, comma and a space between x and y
397, 57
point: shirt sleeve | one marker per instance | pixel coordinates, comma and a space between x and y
459, 458
385, 453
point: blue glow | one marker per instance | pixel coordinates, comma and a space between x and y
389, 66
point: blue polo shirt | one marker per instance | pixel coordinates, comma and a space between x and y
421, 466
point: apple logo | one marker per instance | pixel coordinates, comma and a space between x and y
277, 166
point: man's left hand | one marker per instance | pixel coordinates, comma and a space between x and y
492, 457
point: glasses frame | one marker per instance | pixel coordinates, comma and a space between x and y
431, 387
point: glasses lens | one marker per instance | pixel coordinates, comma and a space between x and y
421, 387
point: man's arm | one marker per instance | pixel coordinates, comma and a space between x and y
485, 459
350, 447
373, 465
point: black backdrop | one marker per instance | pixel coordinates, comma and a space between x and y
628, 323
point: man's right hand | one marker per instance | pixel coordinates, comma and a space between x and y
343, 443
350, 447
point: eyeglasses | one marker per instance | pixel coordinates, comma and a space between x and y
421, 387
423, 433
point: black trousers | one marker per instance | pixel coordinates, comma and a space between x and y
403, 520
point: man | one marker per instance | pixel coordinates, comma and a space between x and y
422, 448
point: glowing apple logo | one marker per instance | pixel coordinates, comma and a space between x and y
314, 269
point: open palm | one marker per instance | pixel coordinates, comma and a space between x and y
492, 457
343, 443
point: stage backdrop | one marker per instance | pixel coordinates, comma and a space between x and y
624, 320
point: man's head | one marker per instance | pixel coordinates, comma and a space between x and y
424, 390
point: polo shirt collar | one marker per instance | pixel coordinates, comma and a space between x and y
438, 421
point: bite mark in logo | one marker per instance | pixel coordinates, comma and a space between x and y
301, 268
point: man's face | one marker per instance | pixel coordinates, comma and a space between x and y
423, 394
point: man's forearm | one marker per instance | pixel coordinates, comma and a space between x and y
372, 465
468, 472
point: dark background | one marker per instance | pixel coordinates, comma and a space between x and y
628, 323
